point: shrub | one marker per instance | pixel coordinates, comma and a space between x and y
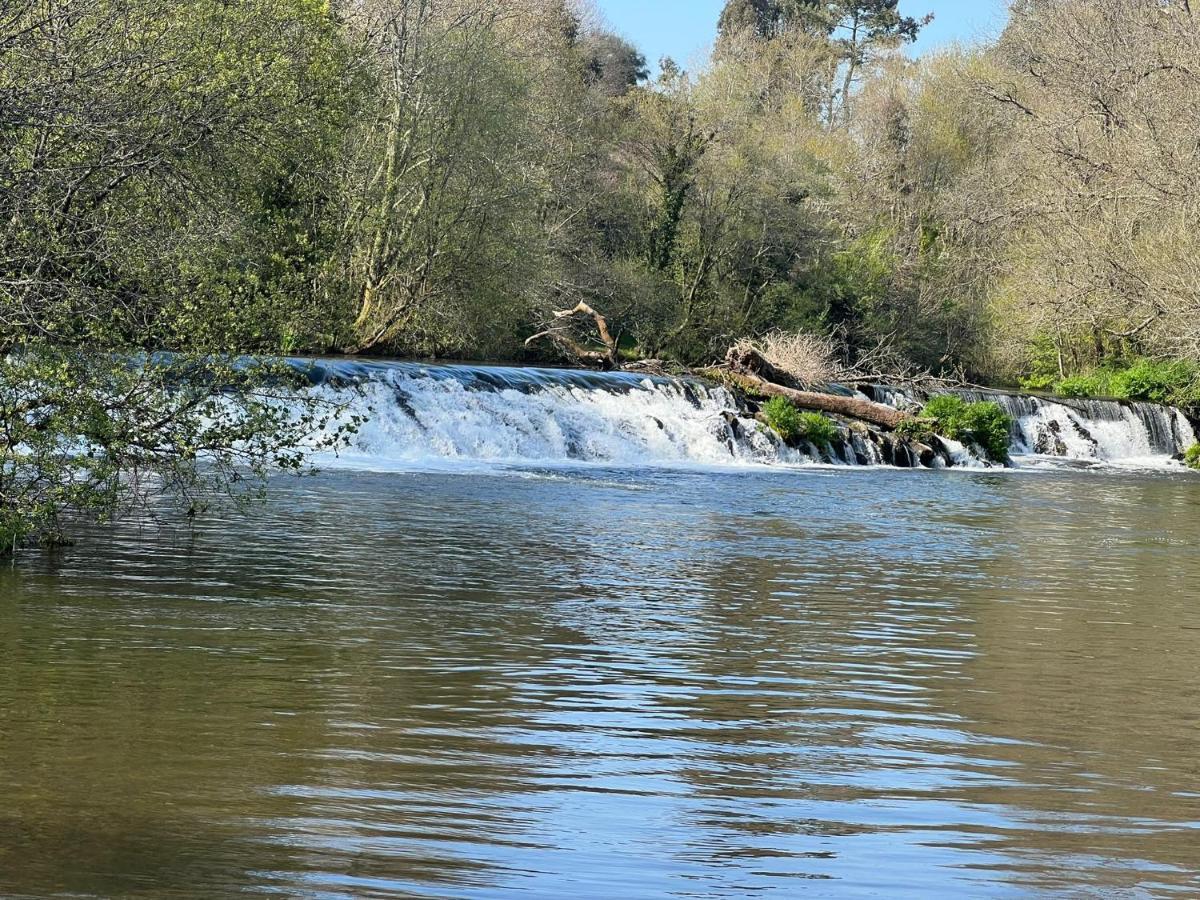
1169, 381
783, 418
944, 409
1091, 384
818, 428
792, 425
917, 429
984, 424
1037, 382
1175, 382
1192, 457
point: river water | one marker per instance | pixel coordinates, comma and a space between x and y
609, 682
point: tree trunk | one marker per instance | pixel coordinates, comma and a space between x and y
749, 364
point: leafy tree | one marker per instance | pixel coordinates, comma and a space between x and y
155, 195
612, 64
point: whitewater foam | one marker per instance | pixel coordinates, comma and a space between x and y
465, 417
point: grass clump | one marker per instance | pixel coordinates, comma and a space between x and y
793, 425
1192, 457
985, 424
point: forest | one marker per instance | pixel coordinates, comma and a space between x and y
191, 190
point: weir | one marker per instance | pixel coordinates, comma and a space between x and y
420, 413
1111, 431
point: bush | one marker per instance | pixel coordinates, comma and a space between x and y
1175, 382
917, 429
944, 409
783, 418
1037, 382
817, 428
793, 426
1092, 384
985, 424
1171, 381
1192, 457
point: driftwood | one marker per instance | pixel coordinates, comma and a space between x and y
608, 358
750, 365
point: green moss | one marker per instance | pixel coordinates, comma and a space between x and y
793, 425
985, 424
746, 386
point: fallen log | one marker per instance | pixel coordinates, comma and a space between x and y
745, 359
744, 363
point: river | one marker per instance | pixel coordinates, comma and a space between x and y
605, 681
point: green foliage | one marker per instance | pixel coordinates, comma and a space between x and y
1192, 457
853, 283
984, 424
1036, 383
88, 434
944, 409
783, 418
169, 195
1091, 384
794, 426
1044, 359
817, 428
920, 429
1174, 382
1159, 381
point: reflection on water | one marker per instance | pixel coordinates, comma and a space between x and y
604, 684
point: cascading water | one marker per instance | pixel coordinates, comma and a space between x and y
425, 413
421, 414
1107, 431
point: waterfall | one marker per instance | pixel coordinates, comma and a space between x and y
1107, 431
1101, 430
423, 414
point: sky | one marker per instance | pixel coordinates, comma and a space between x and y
685, 29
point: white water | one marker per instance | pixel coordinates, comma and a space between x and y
1101, 431
426, 415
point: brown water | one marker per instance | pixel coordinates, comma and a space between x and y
600, 684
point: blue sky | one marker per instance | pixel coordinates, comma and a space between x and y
684, 29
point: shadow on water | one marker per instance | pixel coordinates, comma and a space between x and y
612, 684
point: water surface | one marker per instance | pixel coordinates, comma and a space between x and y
601, 683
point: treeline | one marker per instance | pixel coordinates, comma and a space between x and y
186, 181
438, 176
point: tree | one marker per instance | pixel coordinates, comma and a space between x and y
151, 155
760, 17
447, 178
1099, 195
861, 28
611, 64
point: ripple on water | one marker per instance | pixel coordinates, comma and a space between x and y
611, 684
